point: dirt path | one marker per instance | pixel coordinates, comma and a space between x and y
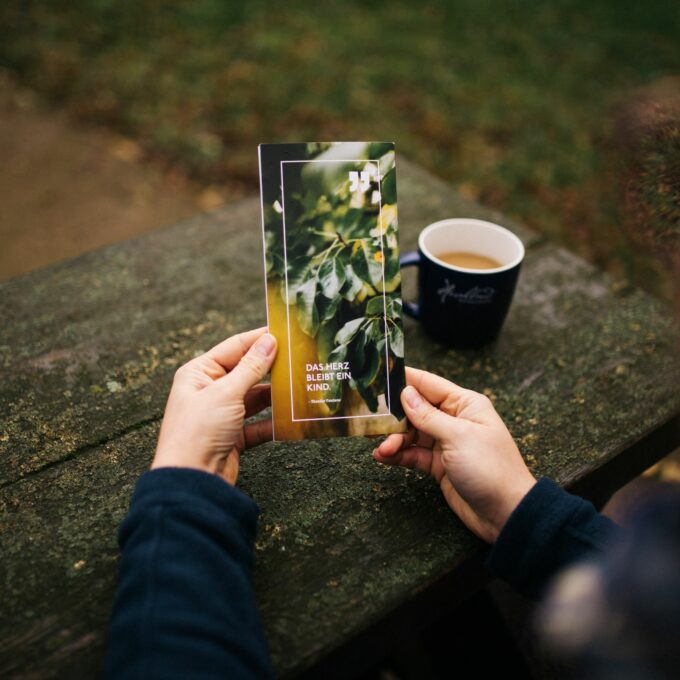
66, 189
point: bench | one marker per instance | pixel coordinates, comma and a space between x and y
350, 555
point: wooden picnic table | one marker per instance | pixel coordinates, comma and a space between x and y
349, 552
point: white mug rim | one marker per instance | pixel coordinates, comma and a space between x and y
471, 220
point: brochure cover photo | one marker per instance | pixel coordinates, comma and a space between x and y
331, 251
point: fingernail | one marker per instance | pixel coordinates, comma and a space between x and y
265, 345
413, 399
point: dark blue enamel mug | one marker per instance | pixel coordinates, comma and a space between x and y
460, 306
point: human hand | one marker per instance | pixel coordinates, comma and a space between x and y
459, 439
211, 395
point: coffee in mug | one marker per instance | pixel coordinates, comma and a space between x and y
467, 273
468, 260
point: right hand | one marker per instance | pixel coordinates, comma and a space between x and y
459, 439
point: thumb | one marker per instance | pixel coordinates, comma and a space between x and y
424, 416
252, 367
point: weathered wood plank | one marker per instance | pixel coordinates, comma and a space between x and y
59, 557
88, 347
582, 370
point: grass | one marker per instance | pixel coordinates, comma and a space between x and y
513, 102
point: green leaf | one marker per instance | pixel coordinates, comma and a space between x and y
338, 354
331, 276
350, 223
375, 306
353, 284
356, 354
392, 268
348, 331
307, 314
389, 187
397, 341
376, 332
397, 380
367, 261
396, 308
358, 261
327, 308
371, 365
325, 339
335, 392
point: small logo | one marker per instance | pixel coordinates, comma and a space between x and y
359, 180
474, 296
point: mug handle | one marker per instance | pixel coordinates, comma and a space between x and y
410, 259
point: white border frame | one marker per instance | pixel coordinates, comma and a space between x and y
285, 260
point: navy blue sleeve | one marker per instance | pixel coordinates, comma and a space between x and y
549, 529
185, 605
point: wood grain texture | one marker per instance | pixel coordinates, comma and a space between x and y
584, 369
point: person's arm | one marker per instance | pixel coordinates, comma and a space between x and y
549, 529
185, 606
459, 439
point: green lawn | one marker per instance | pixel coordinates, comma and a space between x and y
511, 101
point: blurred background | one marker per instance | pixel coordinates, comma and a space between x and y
117, 117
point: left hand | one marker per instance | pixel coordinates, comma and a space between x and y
211, 395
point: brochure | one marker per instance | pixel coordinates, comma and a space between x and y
331, 255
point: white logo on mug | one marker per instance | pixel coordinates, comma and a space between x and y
474, 296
